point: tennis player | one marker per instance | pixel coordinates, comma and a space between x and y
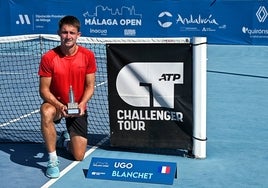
66, 66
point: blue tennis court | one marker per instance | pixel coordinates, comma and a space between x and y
237, 87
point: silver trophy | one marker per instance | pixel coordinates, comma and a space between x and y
72, 106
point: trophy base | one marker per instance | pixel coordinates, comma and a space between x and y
73, 111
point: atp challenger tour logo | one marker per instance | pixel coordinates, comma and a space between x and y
143, 84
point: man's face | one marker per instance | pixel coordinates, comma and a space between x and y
68, 35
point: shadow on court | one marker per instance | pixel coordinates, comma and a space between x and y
17, 156
30, 154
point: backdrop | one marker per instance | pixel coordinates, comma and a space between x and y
221, 21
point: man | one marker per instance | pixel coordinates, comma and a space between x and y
68, 66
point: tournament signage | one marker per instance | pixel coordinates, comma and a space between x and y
218, 21
132, 170
150, 95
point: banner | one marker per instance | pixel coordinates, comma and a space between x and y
150, 95
218, 20
132, 170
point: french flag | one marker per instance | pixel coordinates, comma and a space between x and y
164, 169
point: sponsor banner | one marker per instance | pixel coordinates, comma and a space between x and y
150, 95
132, 170
219, 21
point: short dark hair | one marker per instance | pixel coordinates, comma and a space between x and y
70, 20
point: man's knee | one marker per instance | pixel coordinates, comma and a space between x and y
79, 157
78, 153
48, 113
78, 146
47, 110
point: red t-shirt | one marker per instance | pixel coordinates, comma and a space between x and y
67, 71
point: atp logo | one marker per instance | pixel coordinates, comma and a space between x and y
144, 84
164, 19
23, 19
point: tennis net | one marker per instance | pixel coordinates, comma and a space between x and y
20, 100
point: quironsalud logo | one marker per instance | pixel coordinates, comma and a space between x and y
255, 33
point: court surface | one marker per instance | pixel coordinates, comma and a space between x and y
237, 154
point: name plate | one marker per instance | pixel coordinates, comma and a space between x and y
132, 170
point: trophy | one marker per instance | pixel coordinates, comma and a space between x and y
72, 106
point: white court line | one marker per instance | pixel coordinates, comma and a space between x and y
19, 118
101, 84
8, 73
73, 164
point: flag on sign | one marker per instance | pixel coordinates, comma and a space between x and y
165, 169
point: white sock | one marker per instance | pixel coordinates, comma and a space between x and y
53, 156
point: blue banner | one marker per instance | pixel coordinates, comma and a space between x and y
132, 170
221, 21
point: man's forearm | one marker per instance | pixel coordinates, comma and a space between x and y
87, 95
